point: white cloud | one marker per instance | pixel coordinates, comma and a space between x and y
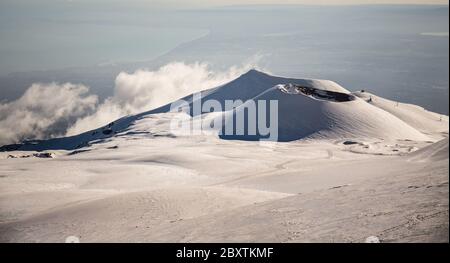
53, 110
144, 90
44, 111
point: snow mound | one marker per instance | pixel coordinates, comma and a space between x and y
435, 152
307, 109
423, 120
326, 114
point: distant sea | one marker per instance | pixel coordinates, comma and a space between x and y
398, 52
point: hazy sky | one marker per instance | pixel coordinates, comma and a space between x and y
182, 4
333, 2
211, 3
316, 2
249, 2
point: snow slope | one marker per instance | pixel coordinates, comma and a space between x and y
353, 166
300, 116
436, 152
141, 189
425, 121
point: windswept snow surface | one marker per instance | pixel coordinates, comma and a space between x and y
345, 170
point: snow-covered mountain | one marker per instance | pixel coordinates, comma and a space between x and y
353, 166
307, 109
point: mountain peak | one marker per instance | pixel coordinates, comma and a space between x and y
255, 72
